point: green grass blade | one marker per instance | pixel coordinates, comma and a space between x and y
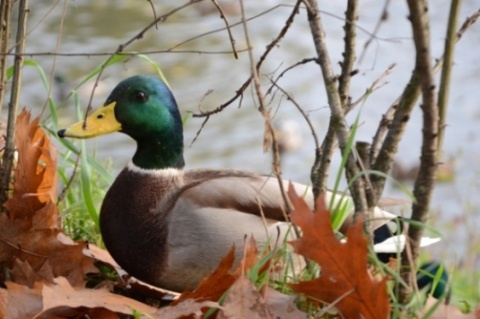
85, 175
156, 67
109, 62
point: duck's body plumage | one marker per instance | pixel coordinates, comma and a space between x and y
186, 221
166, 225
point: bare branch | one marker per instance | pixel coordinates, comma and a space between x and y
395, 119
231, 26
154, 12
8, 155
300, 109
449, 52
349, 52
269, 134
272, 44
90, 54
230, 36
338, 117
424, 183
304, 61
373, 87
373, 35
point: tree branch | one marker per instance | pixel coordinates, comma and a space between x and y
270, 47
8, 155
5, 10
337, 119
449, 52
424, 183
396, 118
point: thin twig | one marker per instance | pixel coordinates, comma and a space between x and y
20, 249
373, 35
92, 54
172, 49
154, 12
304, 61
200, 130
218, 109
230, 36
302, 112
239, 23
270, 46
69, 182
269, 134
372, 88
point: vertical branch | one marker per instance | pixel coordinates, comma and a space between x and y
338, 117
402, 108
344, 89
321, 166
445, 78
5, 12
349, 52
424, 183
8, 155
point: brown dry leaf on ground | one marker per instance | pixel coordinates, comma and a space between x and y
29, 227
19, 301
62, 300
32, 247
345, 279
244, 301
281, 305
132, 284
214, 286
186, 309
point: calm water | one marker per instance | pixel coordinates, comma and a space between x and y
234, 137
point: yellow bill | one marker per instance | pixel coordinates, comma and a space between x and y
101, 122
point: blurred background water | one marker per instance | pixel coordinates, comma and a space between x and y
233, 138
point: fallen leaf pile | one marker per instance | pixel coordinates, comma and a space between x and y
43, 271
33, 249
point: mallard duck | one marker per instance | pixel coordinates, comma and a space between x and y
166, 225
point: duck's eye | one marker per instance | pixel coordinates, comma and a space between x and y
140, 96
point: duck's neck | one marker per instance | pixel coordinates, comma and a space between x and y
159, 153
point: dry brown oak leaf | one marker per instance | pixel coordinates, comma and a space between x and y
31, 243
344, 280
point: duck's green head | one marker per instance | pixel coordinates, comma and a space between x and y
144, 108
